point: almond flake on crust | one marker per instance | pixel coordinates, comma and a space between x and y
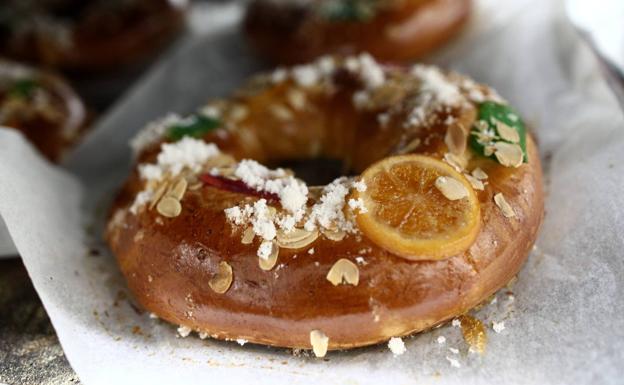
456, 139
507, 133
169, 207
221, 281
479, 173
344, 271
451, 188
270, 260
457, 161
507, 154
474, 182
505, 207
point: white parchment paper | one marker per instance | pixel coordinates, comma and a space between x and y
564, 320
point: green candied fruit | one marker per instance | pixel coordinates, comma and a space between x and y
195, 126
497, 122
23, 88
348, 10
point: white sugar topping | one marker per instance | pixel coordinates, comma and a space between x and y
140, 200
153, 132
357, 204
264, 251
437, 92
370, 72
293, 193
256, 175
437, 84
187, 153
363, 66
397, 346
326, 65
306, 75
329, 211
262, 224
258, 215
359, 185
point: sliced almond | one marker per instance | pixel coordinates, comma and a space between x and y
221, 281
238, 112
411, 146
178, 189
319, 342
268, 263
248, 236
479, 173
169, 207
160, 191
458, 162
281, 112
294, 235
221, 161
335, 235
507, 154
297, 99
195, 186
344, 271
474, 182
451, 188
456, 139
507, 133
505, 207
488, 150
296, 239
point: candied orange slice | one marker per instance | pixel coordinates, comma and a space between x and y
418, 207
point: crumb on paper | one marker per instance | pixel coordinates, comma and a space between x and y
153, 316
184, 331
241, 341
454, 350
498, 326
454, 362
397, 346
456, 322
441, 340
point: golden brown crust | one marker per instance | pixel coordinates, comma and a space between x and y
169, 262
286, 33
